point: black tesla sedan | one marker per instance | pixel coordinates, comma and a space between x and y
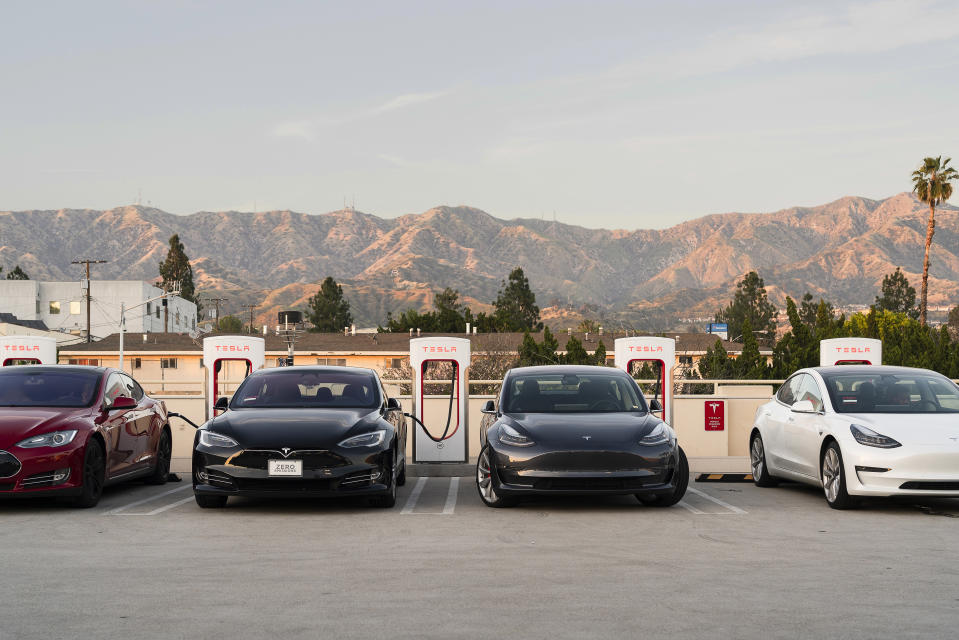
303, 431
576, 430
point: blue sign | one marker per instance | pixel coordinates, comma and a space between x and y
717, 327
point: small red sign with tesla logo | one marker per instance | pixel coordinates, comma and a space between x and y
715, 415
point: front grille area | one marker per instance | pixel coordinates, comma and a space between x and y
292, 485
9, 465
930, 486
7, 486
217, 479
589, 461
590, 484
312, 458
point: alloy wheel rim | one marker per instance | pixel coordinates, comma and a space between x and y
484, 478
166, 449
756, 454
91, 475
831, 474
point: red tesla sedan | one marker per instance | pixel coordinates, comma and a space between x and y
71, 430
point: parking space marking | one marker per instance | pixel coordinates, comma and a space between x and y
118, 510
450, 505
414, 496
690, 508
703, 494
162, 509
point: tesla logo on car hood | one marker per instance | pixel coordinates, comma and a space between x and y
954, 438
286, 451
587, 437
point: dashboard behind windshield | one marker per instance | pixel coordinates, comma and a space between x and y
571, 393
892, 393
21, 387
292, 388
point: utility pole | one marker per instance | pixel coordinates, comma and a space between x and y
216, 303
251, 307
88, 262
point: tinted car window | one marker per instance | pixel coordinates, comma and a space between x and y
808, 389
787, 392
20, 387
307, 388
565, 393
116, 387
892, 393
136, 391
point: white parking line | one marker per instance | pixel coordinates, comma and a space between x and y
689, 507
451, 496
717, 501
117, 510
414, 496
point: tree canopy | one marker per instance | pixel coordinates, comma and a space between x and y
176, 269
230, 324
896, 295
932, 183
750, 302
515, 304
16, 274
329, 310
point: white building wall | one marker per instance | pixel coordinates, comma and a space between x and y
62, 306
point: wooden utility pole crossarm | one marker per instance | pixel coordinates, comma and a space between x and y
88, 262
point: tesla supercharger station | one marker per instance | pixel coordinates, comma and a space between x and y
441, 436
219, 350
850, 351
650, 349
27, 350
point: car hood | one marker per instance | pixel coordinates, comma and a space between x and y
583, 430
910, 428
19, 423
298, 428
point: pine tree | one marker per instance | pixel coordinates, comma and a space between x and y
515, 304
176, 270
750, 301
897, 296
17, 274
576, 353
329, 311
599, 356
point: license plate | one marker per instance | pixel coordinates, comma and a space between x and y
285, 467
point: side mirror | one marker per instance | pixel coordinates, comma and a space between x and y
392, 404
804, 406
490, 407
121, 403
655, 405
222, 404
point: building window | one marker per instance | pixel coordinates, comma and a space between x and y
149, 308
89, 362
178, 318
75, 308
333, 362
685, 359
38, 307
137, 363
396, 363
168, 363
158, 313
54, 308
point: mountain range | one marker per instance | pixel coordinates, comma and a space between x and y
646, 279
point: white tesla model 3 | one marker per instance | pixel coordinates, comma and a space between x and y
860, 431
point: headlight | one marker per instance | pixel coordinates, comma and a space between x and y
213, 439
365, 440
868, 437
52, 439
510, 436
659, 435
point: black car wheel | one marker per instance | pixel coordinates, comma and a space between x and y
386, 500
682, 482
94, 471
210, 502
485, 482
757, 462
401, 479
163, 455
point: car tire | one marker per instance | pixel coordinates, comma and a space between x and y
401, 479
94, 473
385, 500
682, 483
486, 483
164, 452
210, 502
833, 478
757, 463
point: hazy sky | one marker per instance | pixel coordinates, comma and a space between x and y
631, 114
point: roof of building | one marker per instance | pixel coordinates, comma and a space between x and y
9, 318
385, 342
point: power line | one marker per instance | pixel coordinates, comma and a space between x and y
251, 307
88, 262
216, 302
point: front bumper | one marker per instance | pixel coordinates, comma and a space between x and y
325, 474
37, 474
534, 471
919, 471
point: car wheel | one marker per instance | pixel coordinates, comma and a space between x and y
210, 502
386, 500
485, 483
757, 462
834, 480
94, 472
164, 453
682, 482
401, 479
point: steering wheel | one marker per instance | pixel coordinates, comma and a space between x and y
605, 402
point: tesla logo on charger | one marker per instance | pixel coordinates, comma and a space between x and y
21, 347
439, 349
853, 349
645, 348
232, 347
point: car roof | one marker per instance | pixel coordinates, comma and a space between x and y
564, 369
866, 369
317, 368
54, 367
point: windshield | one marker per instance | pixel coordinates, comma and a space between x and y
60, 387
569, 393
307, 388
892, 393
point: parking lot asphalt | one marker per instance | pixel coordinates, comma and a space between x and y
731, 561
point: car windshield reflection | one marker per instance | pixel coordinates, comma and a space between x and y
892, 393
60, 387
287, 388
572, 393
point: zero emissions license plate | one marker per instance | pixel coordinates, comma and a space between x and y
285, 467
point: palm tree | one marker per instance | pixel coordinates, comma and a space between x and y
932, 184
